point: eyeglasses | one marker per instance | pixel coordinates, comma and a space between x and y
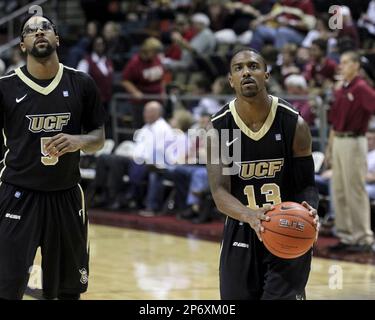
32, 28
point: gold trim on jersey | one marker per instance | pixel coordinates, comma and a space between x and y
84, 216
69, 68
42, 90
83, 203
288, 108
220, 115
222, 242
266, 125
5, 155
8, 76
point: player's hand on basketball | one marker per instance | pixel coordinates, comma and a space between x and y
63, 143
255, 219
314, 214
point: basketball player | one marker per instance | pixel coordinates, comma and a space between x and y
276, 142
48, 114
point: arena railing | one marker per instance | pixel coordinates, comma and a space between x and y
121, 101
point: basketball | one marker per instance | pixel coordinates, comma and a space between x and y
291, 231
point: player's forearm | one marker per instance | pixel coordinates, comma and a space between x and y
229, 205
92, 141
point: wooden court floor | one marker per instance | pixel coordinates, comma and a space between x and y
129, 264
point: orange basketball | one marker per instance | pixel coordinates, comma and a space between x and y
291, 231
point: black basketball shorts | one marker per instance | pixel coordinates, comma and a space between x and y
248, 271
56, 222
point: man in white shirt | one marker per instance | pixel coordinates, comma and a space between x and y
150, 142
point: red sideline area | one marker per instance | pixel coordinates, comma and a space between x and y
207, 231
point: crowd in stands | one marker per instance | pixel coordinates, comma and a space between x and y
169, 48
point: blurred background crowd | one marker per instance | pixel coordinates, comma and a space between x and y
163, 64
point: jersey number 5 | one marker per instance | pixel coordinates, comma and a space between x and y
270, 190
46, 159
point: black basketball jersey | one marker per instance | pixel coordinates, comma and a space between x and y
33, 110
261, 160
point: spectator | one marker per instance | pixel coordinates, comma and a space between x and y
80, 49
288, 62
349, 115
217, 12
296, 86
324, 180
293, 19
173, 50
370, 176
349, 29
16, 59
321, 31
367, 71
161, 15
239, 17
203, 42
230, 21
175, 153
143, 74
150, 143
366, 25
100, 68
320, 70
211, 104
270, 55
118, 45
191, 180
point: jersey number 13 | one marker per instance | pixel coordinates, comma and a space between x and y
270, 190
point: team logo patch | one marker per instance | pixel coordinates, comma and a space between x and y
278, 137
66, 93
84, 275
